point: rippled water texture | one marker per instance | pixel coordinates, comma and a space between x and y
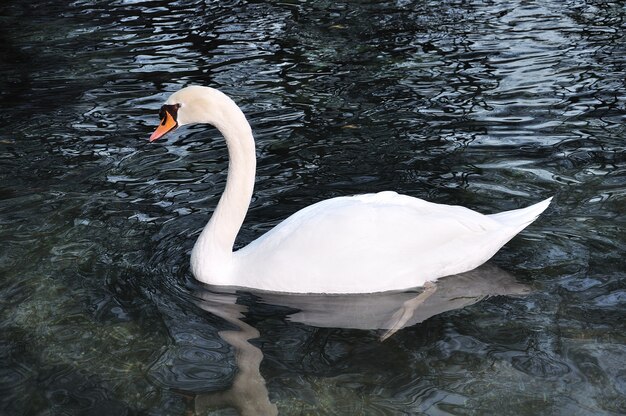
493, 105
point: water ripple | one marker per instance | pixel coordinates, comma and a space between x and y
488, 105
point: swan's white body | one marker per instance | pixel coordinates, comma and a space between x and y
359, 244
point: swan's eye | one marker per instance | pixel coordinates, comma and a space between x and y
171, 109
168, 115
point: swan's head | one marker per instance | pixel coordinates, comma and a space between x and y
191, 105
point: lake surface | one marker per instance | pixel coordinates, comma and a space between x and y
492, 105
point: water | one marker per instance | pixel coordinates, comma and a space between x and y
492, 105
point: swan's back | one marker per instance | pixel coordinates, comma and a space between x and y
373, 243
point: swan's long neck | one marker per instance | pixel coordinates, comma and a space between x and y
211, 258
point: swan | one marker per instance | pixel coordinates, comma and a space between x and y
351, 244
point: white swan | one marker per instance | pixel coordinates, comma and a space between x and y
358, 244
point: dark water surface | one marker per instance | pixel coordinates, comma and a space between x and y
492, 105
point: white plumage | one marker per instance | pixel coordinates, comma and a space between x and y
358, 244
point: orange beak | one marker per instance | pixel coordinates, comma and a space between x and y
167, 124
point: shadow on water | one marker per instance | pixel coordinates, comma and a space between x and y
247, 393
388, 312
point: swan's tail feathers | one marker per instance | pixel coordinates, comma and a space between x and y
520, 218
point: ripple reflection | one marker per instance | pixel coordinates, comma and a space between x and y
388, 312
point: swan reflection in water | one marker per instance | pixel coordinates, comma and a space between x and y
389, 312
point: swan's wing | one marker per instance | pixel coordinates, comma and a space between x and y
382, 215
369, 243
